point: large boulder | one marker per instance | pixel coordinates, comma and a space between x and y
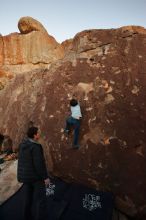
106, 71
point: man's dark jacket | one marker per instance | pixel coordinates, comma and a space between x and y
31, 162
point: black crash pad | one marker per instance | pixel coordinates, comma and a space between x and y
65, 202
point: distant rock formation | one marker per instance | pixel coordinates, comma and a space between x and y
28, 24
106, 71
31, 49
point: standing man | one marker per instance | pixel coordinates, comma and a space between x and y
32, 173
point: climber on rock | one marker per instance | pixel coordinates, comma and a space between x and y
73, 121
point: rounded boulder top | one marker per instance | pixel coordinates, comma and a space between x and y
29, 24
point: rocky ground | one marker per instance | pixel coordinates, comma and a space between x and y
8, 180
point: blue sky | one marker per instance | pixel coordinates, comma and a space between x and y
63, 19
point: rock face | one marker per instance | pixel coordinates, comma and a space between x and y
106, 71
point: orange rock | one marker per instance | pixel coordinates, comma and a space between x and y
32, 49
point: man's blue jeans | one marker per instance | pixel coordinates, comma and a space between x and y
75, 123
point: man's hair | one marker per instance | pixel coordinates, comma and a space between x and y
32, 131
73, 102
